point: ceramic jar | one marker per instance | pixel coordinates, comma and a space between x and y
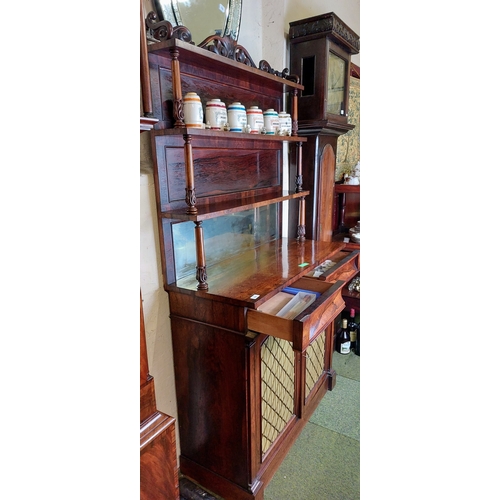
193, 110
271, 121
216, 114
255, 119
354, 233
285, 123
237, 117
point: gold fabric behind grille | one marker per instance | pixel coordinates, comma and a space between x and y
277, 386
315, 361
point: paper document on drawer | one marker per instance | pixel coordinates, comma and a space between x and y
300, 302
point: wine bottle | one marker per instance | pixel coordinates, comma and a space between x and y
344, 339
352, 326
358, 341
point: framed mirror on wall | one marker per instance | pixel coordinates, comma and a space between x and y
203, 18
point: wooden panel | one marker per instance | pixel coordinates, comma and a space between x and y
212, 391
248, 170
325, 197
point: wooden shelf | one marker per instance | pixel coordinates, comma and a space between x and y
200, 58
220, 134
217, 209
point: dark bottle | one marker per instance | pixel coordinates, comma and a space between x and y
344, 339
352, 326
356, 351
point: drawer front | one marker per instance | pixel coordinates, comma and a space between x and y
344, 269
305, 327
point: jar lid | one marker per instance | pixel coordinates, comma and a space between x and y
192, 96
216, 102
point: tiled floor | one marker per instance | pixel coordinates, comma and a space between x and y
323, 464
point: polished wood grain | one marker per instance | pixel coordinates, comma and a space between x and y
250, 278
326, 179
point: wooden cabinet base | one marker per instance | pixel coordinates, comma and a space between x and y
255, 491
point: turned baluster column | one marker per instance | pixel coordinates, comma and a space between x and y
189, 169
177, 88
301, 228
201, 266
295, 112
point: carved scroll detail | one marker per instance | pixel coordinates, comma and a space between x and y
227, 47
163, 30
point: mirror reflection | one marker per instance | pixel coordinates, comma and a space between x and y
203, 18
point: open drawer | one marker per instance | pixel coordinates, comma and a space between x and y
308, 324
344, 267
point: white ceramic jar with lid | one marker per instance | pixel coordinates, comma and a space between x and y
285, 123
193, 110
255, 119
216, 114
271, 121
237, 117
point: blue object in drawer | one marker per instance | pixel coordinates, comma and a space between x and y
295, 291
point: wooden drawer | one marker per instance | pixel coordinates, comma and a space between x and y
345, 268
307, 325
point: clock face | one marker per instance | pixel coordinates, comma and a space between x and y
336, 84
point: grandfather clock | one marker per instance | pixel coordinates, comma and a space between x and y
320, 53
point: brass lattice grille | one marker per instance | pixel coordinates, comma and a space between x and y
277, 374
315, 361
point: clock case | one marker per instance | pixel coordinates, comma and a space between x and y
316, 43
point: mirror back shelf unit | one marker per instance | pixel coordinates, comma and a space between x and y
246, 380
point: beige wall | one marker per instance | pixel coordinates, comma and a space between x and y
264, 27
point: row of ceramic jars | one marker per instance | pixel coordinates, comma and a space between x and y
239, 119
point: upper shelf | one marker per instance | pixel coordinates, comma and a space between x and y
227, 135
192, 55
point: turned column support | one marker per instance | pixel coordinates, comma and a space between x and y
201, 265
295, 112
189, 170
177, 88
298, 177
301, 228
